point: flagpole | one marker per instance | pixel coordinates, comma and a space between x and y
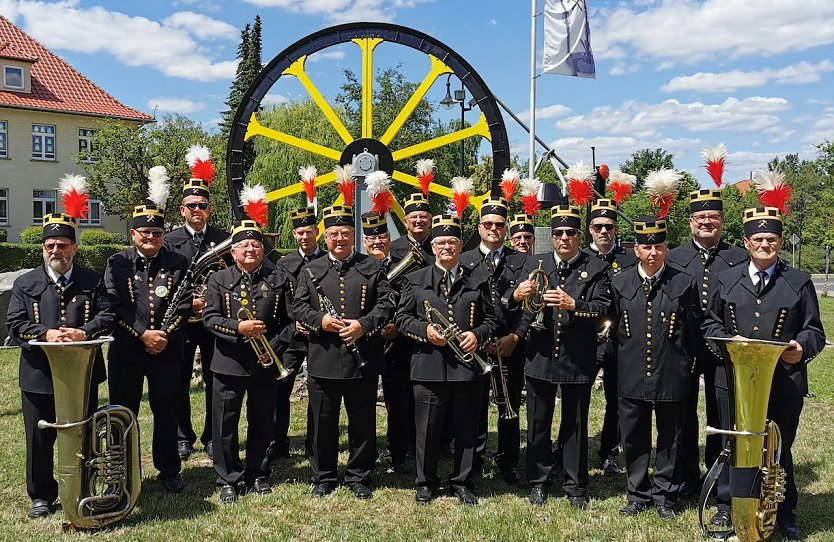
532, 140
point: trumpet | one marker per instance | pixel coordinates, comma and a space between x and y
500, 391
263, 350
604, 334
535, 303
452, 333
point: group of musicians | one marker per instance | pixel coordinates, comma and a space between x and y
641, 315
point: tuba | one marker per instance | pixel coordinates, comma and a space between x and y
99, 475
210, 261
757, 481
413, 260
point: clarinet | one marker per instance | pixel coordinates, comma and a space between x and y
185, 286
331, 310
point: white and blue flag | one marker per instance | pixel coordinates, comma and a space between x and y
567, 39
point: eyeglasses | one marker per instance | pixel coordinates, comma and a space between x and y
712, 217
152, 233
52, 246
570, 232
337, 234
445, 243
599, 227
418, 218
375, 238
522, 236
497, 225
763, 240
249, 246
202, 205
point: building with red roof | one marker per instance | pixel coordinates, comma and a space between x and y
48, 115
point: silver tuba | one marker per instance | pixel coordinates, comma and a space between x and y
99, 475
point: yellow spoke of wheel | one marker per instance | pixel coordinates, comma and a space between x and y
297, 70
256, 128
439, 189
438, 68
367, 45
297, 188
481, 128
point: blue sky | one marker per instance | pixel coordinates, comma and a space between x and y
678, 74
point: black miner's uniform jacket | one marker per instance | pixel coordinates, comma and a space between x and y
505, 277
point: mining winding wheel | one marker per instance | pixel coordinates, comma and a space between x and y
398, 163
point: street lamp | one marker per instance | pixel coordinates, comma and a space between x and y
449, 103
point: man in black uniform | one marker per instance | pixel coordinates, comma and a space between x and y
658, 320
417, 225
604, 231
141, 281
340, 344
768, 299
245, 308
304, 231
562, 355
499, 266
522, 233
192, 240
57, 302
702, 258
444, 384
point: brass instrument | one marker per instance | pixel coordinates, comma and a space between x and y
263, 350
535, 303
99, 476
201, 269
452, 332
413, 260
755, 441
604, 334
500, 390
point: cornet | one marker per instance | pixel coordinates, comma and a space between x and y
263, 350
452, 333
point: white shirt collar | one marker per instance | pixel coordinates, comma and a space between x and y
314, 254
557, 258
452, 272
54, 276
643, 274
191, 231
596, 249
752, 270
333, 258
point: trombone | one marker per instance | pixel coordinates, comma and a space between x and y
263, 350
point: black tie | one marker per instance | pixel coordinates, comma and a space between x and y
761, 284
62, 282
648, 283
706, 256
198, 239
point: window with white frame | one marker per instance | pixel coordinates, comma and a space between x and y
4, 206
13, 77
43, 142
85, 145
43, 203
4, 139
94, 218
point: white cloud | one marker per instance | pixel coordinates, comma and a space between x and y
750, 114
326, 55
820, 129
691, 31
343, 11
201, 26
493, 22
550, 112
133, 41
274, 99
623, 68
615, 150
795, 74
175, 105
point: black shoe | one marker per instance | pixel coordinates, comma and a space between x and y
465, 496
185, 449
424, 495
259, 487
537, 496
210, 450
228, 494
399, 466
40, 509
322, 490
511, 475
665, 512
578, 502
277, 450
722, 520
632, 508
689, 489
790, 532
173, 484
362, 491
610, 467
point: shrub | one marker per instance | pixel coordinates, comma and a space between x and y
14, 256
96, 236
32, 235
4, 235
121, 239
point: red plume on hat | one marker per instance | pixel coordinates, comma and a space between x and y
530, 195
509, 183
378, 184
580, 179
346, 182
425, 174
714, 158
308, 181
772, 189
621, 185
74, 195
662, 187
253, 199
461, 192
199, 162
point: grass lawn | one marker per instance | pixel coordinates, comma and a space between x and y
504, 514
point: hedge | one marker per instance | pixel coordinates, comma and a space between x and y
15, 256
96, 236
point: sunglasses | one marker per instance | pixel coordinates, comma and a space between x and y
498, 225
599, 227
570, 232
52, 246
155, 233
202, 206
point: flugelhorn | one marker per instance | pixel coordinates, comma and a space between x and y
535, 303
99, 476
452, 333
263, 350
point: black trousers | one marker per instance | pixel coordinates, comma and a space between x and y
689, 454
433, 402
572, 438
125, 384
722, 403
227, 403
609, 436
195, 335
785, 411
509, 430
636, 428
281, 416
323, 432
399, 402
714, 443
40, 462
